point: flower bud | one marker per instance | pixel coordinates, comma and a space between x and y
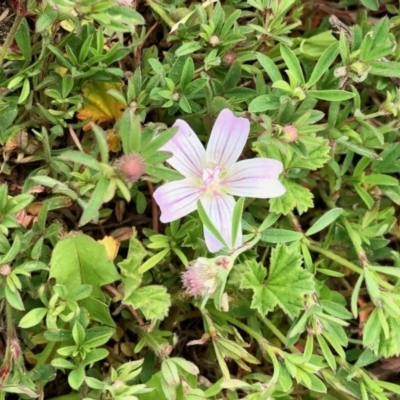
131, 167
213, 41
290, 133
202, 277
229, 58
340, 72
5, 269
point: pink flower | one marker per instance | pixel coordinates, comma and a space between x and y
202, 277
214, 176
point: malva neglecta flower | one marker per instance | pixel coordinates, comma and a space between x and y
214, 176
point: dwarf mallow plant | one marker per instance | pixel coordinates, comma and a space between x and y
215, 175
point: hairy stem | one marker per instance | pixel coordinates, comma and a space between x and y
9, 38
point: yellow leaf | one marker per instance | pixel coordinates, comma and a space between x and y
111, 246
69, 26
113, 141
61, 70
100, 106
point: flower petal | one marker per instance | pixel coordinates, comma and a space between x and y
227, 140
177, 199
188, 154
257, 178
219, 209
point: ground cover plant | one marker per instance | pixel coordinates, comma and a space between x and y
199, 200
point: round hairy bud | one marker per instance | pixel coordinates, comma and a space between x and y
5, 269
229, 58
213, 41
130, 167
290, 134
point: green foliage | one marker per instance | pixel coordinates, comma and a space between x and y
96, 292
286, 285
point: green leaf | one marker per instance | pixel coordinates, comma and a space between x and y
129, 128
325, 61
92, 208
164, 173
23, 40
356, 148
195, 86
170, 373
32, 318
390, 160
95, 355
80, 159
292, 63
392, 387
375, 339
286, 285
331, 95
45, 20
380, 179
318, 154
325, 220
153, 261
371, 279
12, 251
81, 260
187, 73
188, 48
390, 69
79, 292
237, 220
150, 148
327, 353
268, 221
269, 67
263, 103
296, 196
14, 298
98, 310
371, 4
153, 301
136, 255
101, 142
76, 377
280, 236
62, 363
233, 76
18, 203
78, 333
98, 336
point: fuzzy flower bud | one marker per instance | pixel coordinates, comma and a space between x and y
130, 167
201, 279
5, 269
213, 41
229, 58
290, 133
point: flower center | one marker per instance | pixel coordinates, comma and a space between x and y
212, 180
